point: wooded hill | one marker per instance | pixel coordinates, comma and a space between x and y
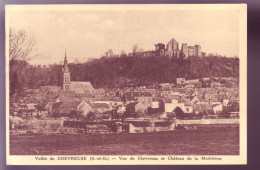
129, 71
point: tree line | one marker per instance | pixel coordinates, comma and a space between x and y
128, 71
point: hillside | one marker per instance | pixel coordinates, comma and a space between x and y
127, 71
134, 71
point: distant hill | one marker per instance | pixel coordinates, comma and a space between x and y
139, 71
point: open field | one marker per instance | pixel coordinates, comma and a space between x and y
206, 140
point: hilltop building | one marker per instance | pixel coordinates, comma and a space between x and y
172, 50
191, 50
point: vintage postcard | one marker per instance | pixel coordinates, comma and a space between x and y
126, 84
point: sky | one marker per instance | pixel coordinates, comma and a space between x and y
89, 33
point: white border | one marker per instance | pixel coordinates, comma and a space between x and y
226, 160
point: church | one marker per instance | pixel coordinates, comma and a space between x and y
76, 86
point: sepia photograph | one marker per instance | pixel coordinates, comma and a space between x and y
126, 84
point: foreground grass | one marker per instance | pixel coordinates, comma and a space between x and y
206, 140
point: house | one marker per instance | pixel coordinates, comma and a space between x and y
67, 107
102, 107
199, 92
180, 81
54, 108
30, 109
170, 107
41, 111
155, 104
31, 106
189, 86
146, 126
102, 97
216, 84
217, 108
84, 96
121, 110
129, 97
49, 105
234, 114
144, 97
233, 96
198, 100
111, 93
165, 86
66, 96
117, 101
16, 122
194, 93
141, 108
14, 108
178, 91
187, 107
185, 97
110, 103
145, 100
26, 109
214, 97
130, 109
99, 91
234, 106
211, 91
208, 111
198, 108
53, 89
175, 98
192, 81
206, 79
106, 117
139, 127
225, 101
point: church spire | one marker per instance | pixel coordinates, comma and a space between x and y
66, 74
65, 55
66, 68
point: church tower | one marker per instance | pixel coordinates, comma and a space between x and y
66, 74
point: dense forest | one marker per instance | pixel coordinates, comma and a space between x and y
126, 71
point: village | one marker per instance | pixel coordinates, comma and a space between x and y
80, 107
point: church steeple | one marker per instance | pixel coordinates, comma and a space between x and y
66, 74
66, 68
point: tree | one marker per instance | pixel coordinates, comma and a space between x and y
135, 49
90, 116
141, 50
21, 50
109, 53
179, 112
21, 46
75, 114
123, 53
76, 61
